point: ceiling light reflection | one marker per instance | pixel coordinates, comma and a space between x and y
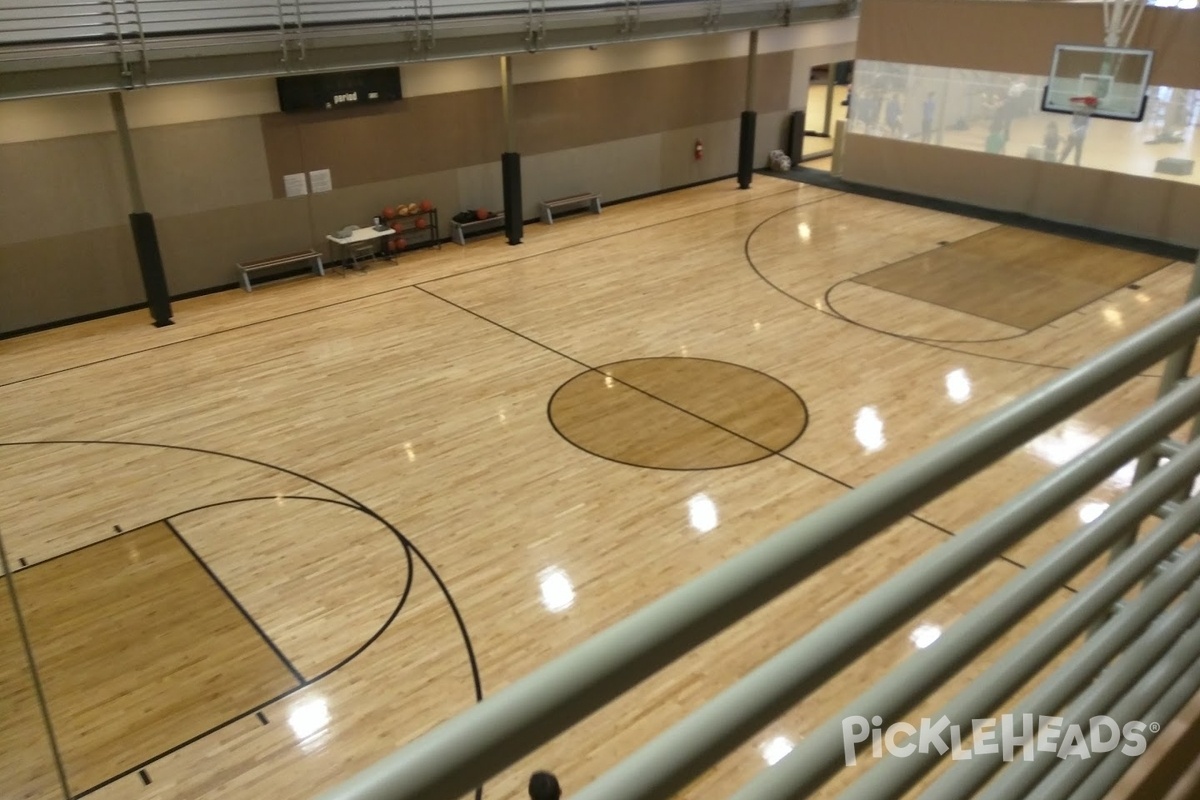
557, 592
924, 635
776, 750
805, 232
309, 718
868, 429
1067, 441
958, 386
702, 513
1090, 512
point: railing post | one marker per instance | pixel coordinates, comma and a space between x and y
1175, 370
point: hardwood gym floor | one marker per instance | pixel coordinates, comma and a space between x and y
250, 554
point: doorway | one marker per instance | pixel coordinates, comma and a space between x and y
829, 92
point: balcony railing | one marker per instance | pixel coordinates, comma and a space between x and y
142, 38
1139, 618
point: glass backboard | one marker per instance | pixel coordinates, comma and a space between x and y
1115, 77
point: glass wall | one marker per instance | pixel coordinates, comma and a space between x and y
1000, 113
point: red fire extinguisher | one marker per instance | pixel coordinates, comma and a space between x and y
699, 150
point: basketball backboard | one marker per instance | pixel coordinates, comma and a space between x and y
1116, 77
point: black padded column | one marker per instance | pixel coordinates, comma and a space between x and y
746, 149
154, 279
514, 222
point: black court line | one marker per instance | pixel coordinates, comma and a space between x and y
898, 336
834, 312
1152, 247
767, 451
380, 293
1163, 264
261, 498
237, 604
34, 675
717, 425
348, 501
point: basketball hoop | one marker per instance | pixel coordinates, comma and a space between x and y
1085, 105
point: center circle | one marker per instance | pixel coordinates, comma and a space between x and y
678, 413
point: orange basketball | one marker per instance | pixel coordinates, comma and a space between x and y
426, 206
401, 244
392, 245
398, 227
422, 223
389, 213
481, 213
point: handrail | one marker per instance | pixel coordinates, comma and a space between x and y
465, 751
56, 46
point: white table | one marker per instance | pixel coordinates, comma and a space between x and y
360, 236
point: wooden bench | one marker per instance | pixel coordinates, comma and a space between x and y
590, 200
247, 267
460, 230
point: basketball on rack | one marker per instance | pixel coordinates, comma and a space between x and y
402, 210
413, 208
481, 213
398, 227
426, 206
400, 244
389, 213
422, 223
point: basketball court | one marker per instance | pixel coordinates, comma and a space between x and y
260, 549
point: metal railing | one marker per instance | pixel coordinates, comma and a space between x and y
37, 24
1140, 662
156, 42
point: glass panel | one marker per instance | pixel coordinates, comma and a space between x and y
1000, 113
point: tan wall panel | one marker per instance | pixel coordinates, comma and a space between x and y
679, 167
200, 102
1179, 222
1133, 204
1128, 204
1174, 36
54, 117
75, 183
624, 168
66, 276
284, 150
186, 169
480, 186
200, 250
1065, 193
770, 134
560, 115
959, 175
356, 205
449, 131
425, 134
1018, 36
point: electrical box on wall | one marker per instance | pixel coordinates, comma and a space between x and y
338, 89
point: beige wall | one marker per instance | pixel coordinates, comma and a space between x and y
1019, 37
620, 120
1146, 207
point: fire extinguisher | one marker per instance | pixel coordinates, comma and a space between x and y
699, 150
